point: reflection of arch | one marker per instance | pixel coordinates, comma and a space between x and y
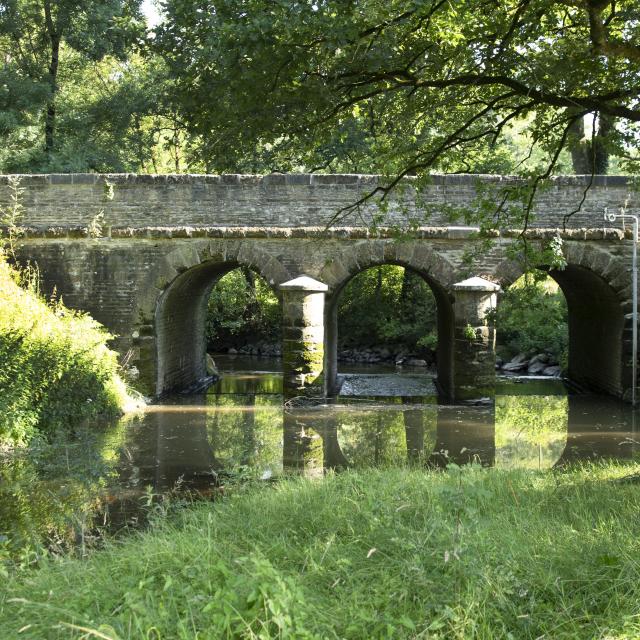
420, 258
180, 312
170, 448
598, 428
595, 285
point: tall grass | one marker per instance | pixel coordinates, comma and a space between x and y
55, 367
466, 553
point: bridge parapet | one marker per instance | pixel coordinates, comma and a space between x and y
73, 201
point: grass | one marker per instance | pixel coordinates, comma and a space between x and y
466, 553
55, 367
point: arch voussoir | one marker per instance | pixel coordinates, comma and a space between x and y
211, 250
377, 251
363, 255
273, 271
335, 272
573, 252
404, 251
183, 258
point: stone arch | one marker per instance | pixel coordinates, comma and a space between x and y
180, 310
417, 256
420, 256
597, 287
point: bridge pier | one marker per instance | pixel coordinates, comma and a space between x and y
474, 344
303, 337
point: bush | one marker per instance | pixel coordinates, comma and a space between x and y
242, 310
405, 310
532, 316
55, 367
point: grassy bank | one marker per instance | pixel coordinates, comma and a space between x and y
55, 368
468, 553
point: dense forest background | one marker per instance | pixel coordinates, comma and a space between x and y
245, 317
175, 86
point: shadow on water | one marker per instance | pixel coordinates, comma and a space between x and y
108, 476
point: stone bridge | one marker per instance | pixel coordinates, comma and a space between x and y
141, 254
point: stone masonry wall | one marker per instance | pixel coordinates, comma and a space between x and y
285, 200
143, 290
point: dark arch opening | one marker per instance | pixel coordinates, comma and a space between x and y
444, 328
596, 323
596, 330
180, 325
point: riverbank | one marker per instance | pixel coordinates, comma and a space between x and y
55, 367
467, 553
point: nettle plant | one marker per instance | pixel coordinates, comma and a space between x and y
11, 215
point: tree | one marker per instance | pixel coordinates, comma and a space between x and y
34, 36
590, 155
428, 85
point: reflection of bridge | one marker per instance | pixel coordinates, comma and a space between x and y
165, 240
186, 446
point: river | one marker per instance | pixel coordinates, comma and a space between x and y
105, 478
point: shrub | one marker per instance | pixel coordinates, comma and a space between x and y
242, 309
532, 316
55, 367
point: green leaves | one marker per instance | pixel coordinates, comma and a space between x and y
242, 309
532, 316
52, 52
395, 88
408, 315
55, 370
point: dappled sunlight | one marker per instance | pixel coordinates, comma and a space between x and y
531, 431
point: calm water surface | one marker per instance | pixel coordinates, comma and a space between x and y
109, 476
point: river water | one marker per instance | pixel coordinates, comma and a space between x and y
65, 494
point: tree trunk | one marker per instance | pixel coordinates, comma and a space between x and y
600, 151
50, 116
252, 309
404, 289
176, 143
590, 156
578, 147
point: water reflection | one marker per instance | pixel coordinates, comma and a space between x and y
530, 430
61, 492
598, 429
465, 434
339, 437
166, 447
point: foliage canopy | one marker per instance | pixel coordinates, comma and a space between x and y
403, 88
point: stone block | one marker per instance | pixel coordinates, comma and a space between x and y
60, 178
